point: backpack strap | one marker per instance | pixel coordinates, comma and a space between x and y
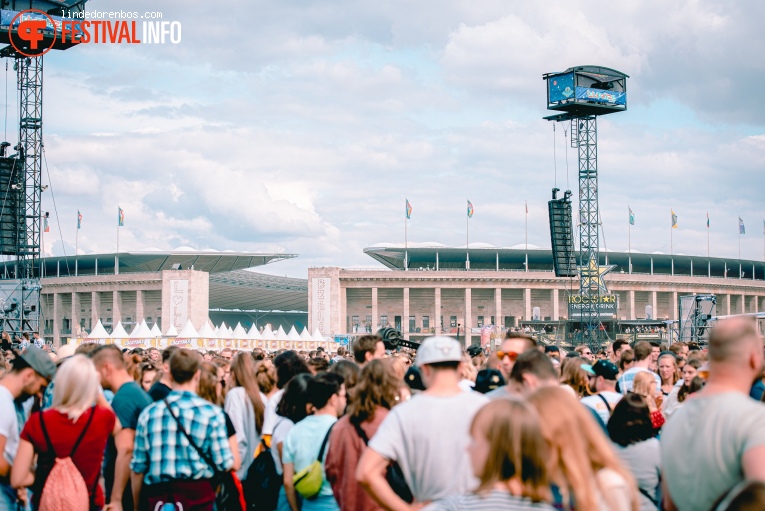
79, 438
324, 444
202, 455
360, 432
608, 405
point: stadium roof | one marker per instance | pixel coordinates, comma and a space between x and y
248, 290
434, 256
150, 261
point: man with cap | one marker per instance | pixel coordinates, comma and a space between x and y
428, 435
30, 373
602, 381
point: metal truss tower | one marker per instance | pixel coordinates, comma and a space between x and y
581, 94
590, 285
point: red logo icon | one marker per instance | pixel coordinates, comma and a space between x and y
29, 37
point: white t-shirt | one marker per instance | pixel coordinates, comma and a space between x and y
428, 437
703, 443
279, 435
597, 404
9, 424
269, 415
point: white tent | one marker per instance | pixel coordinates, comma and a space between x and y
281, 335
155, 331
267, 334
119, 332
239, 332
99, 332
171, 332
254, 333
221, 332
230, 332
188, 332
317, 335
306, 335
293, 335
206, 332
141, 331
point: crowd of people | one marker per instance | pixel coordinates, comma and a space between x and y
521, 427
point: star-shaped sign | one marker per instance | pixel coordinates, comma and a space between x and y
592, 277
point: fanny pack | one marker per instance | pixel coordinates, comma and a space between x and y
309, 480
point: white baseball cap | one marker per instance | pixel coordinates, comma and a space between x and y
439, 349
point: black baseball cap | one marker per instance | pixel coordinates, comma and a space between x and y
606, 369
487, 380
414, 379
474, 351
552, 349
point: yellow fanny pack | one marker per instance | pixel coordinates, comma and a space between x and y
308, 481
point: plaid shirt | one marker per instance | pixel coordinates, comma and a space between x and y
163, 453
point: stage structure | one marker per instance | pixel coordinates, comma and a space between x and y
21, 173
695, 312
579, 95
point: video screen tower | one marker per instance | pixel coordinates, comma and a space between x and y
21, 177
580, 94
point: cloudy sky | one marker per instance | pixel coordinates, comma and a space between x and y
301, 126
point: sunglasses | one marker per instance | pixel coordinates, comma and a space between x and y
502, 354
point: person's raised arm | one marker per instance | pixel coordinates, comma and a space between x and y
370, 474
21, 472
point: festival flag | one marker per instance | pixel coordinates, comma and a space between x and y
707, 219
79, 219
408, 209
674, 219
470, 209
120, 217
46, 227
741, 228
632, 216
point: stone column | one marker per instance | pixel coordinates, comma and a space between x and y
468, 316
727, 304
138, 307
344, 310
632, 304
437, 316
405, 318
75, 322
498, 306
116, 307
655, 304
95, 307
674, 305
57, 316
555, 305
375, 318
527, 308
743, 305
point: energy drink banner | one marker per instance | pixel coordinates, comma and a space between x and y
607, 97
606, 305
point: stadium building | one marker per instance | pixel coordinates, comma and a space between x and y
164, 288
516, 287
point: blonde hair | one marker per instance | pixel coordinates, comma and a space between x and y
642, 382
675, 373
76, 389
578, 447
518, 449
572, 374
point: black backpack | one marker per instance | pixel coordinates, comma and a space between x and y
261, 488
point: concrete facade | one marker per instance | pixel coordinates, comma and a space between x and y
71, 305
420, 302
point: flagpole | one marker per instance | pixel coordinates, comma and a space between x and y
707, 234
77, 240
527, 225
406, 242
672, 238
467, 241
629, 229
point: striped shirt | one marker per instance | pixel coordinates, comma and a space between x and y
627, 379
495, 500
163, 453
